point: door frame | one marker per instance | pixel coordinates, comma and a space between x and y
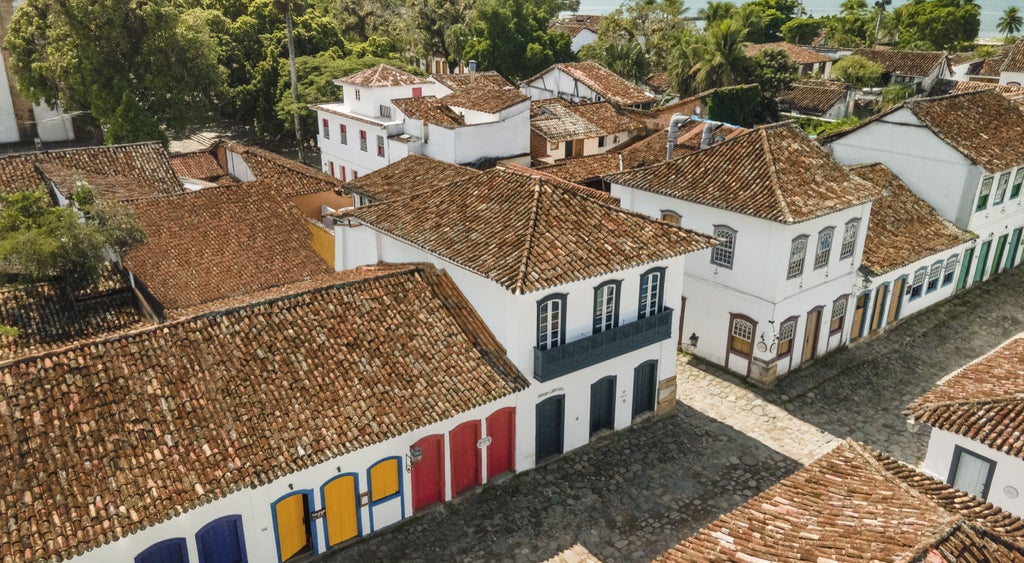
998, 257
728, 340
817, 333
963, 281
442, 477
359, 510
537, 430
239, 530
881, 307
400, 494
896, 299
611, 399
1013, 248
308, 493
983, 251
511, 413
859, 326
477, 453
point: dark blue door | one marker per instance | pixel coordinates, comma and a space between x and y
222, 541
167, 551
644, 380
602, 405
550, 425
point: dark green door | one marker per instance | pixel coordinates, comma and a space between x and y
644, 380
1011, 256
997, 259
965, 269
602, 405
550, 426
979, 272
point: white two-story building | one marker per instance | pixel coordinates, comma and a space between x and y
585, 81
580, 292
976, 415
775, 293
387, 114
964, 155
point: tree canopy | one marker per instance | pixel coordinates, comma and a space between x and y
512, 37
950, 25
858, 71
71, 244
135, 66
1010, 22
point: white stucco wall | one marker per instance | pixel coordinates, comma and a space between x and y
557, 84
1011, 78
350, 155
255, 506
1007, 488
8, 122
584, 37
52, 124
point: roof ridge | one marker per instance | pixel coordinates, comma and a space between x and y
524, 264
1017, 398
868, 453
773, 175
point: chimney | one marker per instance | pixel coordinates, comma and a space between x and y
472, 71
707, 137
673, 133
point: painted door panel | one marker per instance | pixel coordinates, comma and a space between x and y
341, 507
811, 333
167, 551
428, 473
1011, 255
979, 271
896, 301
222, 541
997, 258
550, 427
465, 456
878, 313
645, 381
501, 453
292, 525
602, 405
965, 269
858, 316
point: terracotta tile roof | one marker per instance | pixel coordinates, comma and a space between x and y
659, 82
382, 76
528, 233
969, 543
47, 317
110, 188
773, 172
218, 242
572, 25
984, 401
906, 63
1015, 58
281, 176
991, 67
815, 97
1008, 92
456, 82
957, 59
609, 85
406, 177
582, 168
904, 228
140, 427
145, 164
799, 55
200, 165
486, 96
606, 117
554, 120
851, 504
429, 109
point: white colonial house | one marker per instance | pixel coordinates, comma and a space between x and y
1011, 72
585, 81
171, 446
582, 28
579, 292
976, 416
920, 69
964, 155
775, 293
911, 255
387, 113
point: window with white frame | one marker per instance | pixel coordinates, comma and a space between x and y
797, 252
722, 253
1000, 195
652, 285
838, 315
971, 472
933, 277
824, 251
986, 189
849, 239
949, 273
362, 140
742, 337
343, 134
1018, 179
787, 332
917, 286
550, 325
326, 129
385, 111
606, 306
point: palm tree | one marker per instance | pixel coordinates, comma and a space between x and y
723, 62
716, 11
286, 7
1011, 21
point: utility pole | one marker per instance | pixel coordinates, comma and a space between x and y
294, 77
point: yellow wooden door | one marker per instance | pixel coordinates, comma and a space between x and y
858, 317
384, 479
894, 303
342, 509
292, 536
811, 336
879, 312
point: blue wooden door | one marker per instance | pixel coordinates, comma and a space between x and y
222, 541
602, 405
167, 551
550, 427
645, 378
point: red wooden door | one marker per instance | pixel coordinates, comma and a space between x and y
428, 473
465, 456
501, 453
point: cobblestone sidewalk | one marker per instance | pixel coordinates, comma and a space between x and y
635, 493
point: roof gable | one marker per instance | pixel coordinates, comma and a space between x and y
527, 231
906, 63
903, 228
609, 85
149, 424
382, 76
773, 172
1015, 59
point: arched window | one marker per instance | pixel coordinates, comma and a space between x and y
838, 315
550, 322
787, 332
606, 306
849, 238
933, 276
949, 274
671, 217
722, 253
824, 251
652, 289
742, 340
797, 251
222, 541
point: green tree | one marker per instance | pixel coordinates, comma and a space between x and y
1010, 22
893, 95
656, 25
723, 61
628, 60
802, 30
91, 54
689, 50
774, 72
716, 11
512, 37
938, 24
40, 242
858, 71
437, 21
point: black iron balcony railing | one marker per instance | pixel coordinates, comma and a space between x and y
585, 352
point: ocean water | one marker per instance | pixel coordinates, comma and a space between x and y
991, 10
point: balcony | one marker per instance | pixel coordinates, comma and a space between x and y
594, 349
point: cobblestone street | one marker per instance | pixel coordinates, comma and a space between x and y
633, 494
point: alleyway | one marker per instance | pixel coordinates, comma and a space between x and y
633, 494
